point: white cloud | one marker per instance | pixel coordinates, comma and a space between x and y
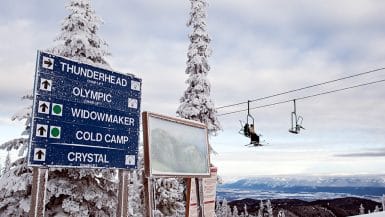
259, 48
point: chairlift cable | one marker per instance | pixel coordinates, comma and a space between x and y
342, 89
303, 88
304, 97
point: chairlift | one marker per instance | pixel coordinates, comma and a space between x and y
248, 130
296, 121
249, 121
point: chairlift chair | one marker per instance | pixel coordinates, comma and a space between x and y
249, 121
245, 128
296, 121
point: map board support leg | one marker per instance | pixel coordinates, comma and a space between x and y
123, 193
199, 192
39, 180
148, 196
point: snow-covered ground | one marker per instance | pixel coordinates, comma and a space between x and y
377, 214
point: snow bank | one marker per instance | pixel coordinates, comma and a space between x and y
377, 214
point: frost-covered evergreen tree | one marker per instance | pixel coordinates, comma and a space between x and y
281, 213
196, 103
78, 39
15, 183
260, 209
383, 202
136, 189
7, 163
245, 212
269, 208
136, 197
235, 212
222, 209
69, 192
82, 192
169, 197
217, 207
377, 209
227, 211
362, 209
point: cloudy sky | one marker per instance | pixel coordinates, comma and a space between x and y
260, 48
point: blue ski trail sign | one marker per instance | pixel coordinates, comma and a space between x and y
83, 116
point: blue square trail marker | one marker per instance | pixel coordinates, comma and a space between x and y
83, 116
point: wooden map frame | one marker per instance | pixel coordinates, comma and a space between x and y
183, 138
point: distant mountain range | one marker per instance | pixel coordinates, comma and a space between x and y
304, 188
340, 207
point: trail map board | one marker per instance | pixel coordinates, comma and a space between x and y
83, 116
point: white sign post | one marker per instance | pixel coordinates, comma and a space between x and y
39, 180
122, 210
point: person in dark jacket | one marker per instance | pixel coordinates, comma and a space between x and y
254, 138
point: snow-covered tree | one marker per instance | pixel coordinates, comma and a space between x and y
245, 212
362, 209
260, 209
235, 212
227, 211
7, 163
376, 209
168, 197
196, 103
217, 206
136, 197
136, 189
82, 192
69, 191
281, 213
269, 208
222, 209
383, 202
15, 183
78, 39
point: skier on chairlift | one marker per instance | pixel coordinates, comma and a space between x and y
254, 138
246, 130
